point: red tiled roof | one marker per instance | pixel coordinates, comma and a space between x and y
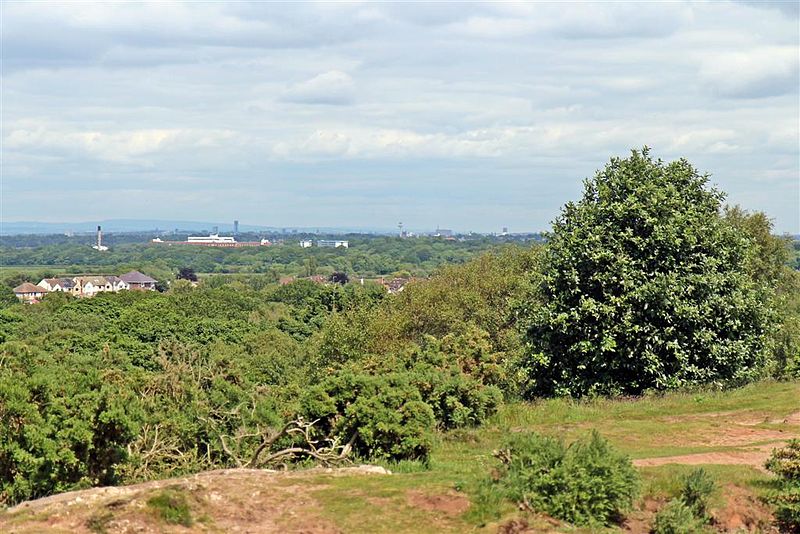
27, 287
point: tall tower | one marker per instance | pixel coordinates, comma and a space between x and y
400, 226
99, 245
235, 227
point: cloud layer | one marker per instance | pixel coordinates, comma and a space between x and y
473, 116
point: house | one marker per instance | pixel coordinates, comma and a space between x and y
64, 285
395, 285
117, 283
51, 284
89, 286
29, 293
139, 281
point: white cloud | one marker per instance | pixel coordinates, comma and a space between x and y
450, 99
333, 87
754, 73
127, 146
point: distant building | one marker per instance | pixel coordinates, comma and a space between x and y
213, 240
443, 232
210, 239
89, 286
117, 283
332, 243
235, 227
306, 243
54, 284
29, 293
139, 281
99, 245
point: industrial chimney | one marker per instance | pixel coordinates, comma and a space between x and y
99, 246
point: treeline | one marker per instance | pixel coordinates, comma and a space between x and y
367, 256
645, 284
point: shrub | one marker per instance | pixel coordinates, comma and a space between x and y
786, 464
386, 415
586, 483
677, 518
698, 486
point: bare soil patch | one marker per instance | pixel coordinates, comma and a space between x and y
743, 512
451, 503
752, 457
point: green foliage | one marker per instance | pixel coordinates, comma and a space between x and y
769, 266
643, 286
62, 426
785, 463
7, 297
384, 416
696, 491
171, 506
677, 518
586, 483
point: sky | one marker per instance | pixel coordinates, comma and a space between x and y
466, 116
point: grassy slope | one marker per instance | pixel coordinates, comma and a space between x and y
437, 500
666, 425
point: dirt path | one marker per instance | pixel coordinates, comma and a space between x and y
754, 458
737, 430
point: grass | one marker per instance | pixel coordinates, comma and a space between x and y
171, 506
657, 425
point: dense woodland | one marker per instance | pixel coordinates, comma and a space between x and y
646, 283
368, 256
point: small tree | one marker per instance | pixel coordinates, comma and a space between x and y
187, 273
643, 285
339, 278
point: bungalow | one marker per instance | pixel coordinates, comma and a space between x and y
137, 280
29, 293
89, 286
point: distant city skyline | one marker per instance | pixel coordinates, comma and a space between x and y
472, 116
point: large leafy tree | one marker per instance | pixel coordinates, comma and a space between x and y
643, 286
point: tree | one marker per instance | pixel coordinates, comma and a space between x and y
339, 278
187, 273
643, 286
311, 265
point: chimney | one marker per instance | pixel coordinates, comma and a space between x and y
99, 237
235, 227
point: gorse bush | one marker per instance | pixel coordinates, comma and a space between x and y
785, 463
384, 415
586, 483
676, 517
696, 491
